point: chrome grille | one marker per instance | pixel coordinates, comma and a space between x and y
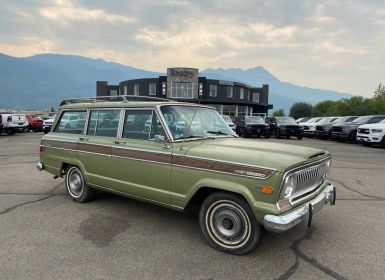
310, 178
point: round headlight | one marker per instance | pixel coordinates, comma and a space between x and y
289, 186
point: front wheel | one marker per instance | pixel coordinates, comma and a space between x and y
278, 134
299, 137
228, 224
76, 185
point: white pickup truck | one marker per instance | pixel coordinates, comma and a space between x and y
11, 123
373, 133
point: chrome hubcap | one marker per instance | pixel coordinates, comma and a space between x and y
228, 224
75, 184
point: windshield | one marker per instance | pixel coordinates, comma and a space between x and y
194, 122
286, 120
254, 119
361, 120
345, 119
326, 120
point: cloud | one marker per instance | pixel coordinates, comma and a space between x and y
67, 11
328, 44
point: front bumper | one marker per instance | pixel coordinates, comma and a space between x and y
40, 166
304, 213
369, 138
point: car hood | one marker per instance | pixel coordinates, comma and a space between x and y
373, 125
248, 151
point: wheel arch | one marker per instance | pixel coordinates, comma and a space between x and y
206, 187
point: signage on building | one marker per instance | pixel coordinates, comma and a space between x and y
182, 72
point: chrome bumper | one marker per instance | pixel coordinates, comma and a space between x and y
40, 166
304, 213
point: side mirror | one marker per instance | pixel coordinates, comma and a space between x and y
160, 139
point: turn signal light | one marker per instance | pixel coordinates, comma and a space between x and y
267, 189
42, 148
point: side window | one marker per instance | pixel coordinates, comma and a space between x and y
137, 124
376, 119
71, 122
104, 123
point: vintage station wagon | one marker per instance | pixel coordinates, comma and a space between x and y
180, 154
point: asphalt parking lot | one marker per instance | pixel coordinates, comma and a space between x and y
44, 235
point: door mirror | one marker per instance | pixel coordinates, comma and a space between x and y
159, 139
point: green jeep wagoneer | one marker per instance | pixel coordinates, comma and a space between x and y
180, 154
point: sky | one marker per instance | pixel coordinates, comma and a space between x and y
337, 45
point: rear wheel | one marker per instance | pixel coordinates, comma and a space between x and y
10, 131
76, 185
228, 224
299, 137
267, 136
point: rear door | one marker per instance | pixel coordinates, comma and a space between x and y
141, 166
94, 148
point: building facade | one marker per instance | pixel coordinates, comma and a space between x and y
185, 84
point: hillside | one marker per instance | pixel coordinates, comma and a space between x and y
42, 81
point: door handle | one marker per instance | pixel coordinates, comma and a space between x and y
119, 142
83, 138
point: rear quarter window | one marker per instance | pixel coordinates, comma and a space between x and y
72, 122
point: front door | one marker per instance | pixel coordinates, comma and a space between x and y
141, 167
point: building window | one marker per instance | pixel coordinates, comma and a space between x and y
242, 110
229, 91
182, 90
230, 110
113, 92
213, 90
136, 89
241, 93
152, 88
256, 97
125, 90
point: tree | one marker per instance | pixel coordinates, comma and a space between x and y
300, 110
379, 93
323, 109
279, 113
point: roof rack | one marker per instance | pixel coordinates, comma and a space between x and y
117, 98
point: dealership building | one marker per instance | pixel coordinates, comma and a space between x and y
184, 84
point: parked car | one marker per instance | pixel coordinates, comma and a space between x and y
309, 126
238, 184
252, 126
285, 127
47, 124
324, 127
13, 123
34, 123
348, 131
229, 121
374, 133
321, 128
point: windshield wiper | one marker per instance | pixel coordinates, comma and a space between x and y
219, 133
192, 136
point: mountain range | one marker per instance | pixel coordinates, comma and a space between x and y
42, 81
